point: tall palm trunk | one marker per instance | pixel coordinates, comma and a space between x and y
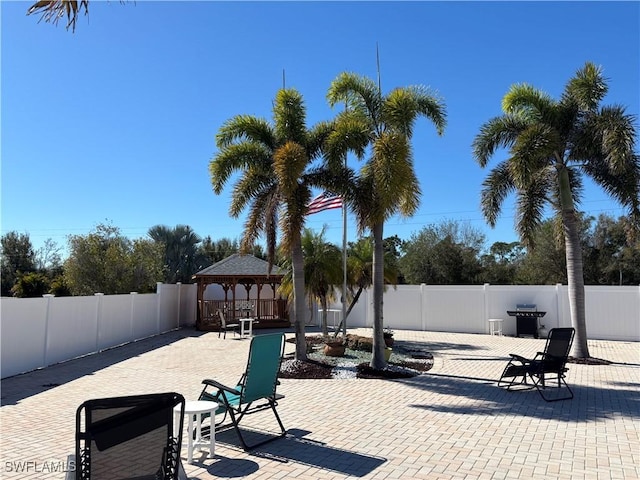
297, 263
575, 274
377, 359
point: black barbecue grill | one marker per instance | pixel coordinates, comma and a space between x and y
527, 315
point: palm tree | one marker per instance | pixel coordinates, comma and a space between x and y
276, 181
182, 257
387, 184
322, 271
360, 271
551, 144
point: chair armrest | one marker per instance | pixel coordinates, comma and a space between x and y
218, 385
519, 358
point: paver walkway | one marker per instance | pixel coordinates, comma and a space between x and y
451, 423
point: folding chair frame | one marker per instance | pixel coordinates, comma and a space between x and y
141, 413
239, 402
543, 367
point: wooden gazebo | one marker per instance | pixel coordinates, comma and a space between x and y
237, 274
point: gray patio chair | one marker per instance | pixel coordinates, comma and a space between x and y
224, 325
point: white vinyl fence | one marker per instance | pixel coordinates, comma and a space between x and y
37, 332
612, 313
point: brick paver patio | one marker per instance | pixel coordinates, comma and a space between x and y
451, 423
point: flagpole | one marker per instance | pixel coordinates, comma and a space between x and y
344, 263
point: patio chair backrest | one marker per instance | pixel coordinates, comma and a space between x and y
263, 365
127, 437
557, 348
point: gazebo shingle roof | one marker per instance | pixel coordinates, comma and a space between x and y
239, 265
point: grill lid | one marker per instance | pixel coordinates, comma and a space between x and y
526, 307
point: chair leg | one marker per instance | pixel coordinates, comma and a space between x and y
540, 386
236, 417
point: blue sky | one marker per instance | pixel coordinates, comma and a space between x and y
117, 121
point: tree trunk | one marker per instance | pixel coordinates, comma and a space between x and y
575, 274
353, 302
297, 263
323, 304
377, 359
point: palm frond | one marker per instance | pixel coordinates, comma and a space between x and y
499, 132
536, 147
236, 157
53, 10
587, 88
391, 168
289, 163
530, 208
403, 105
526, 100
360, 94
317, 137
252, 184
495, 189
289, 114
350, 133
246, 128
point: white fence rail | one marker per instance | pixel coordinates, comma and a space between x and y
612, 313
37, 332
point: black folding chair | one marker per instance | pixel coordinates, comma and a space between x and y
547, 365
131, 438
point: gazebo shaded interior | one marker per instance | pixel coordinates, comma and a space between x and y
237, 274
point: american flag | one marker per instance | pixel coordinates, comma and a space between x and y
324, 201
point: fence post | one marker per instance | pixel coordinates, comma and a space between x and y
423, 311
179, 285
45, 353
559, 305
98, 318
158, 305
485, 290
133, 301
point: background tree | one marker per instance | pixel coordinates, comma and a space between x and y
612, 255
322, 271
443, 254
182, 257
387, 184
276, 162
545, 263
360, 270
32, 284
215, 250
105, 261
17, 258
501, 264
551, 144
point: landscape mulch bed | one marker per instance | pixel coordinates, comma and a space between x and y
406, 364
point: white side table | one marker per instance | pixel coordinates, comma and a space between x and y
197, 408
243, 326
495, 326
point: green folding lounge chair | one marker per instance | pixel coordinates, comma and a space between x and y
130, 437
547, 365
256, 390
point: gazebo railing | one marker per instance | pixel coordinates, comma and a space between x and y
263, 309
